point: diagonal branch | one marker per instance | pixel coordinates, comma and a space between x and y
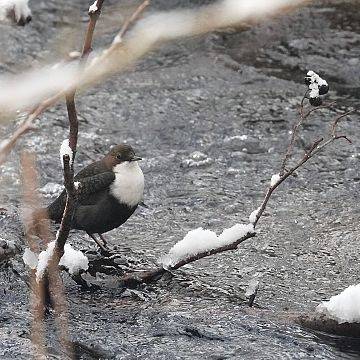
131, 20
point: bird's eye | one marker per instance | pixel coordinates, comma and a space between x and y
119, 157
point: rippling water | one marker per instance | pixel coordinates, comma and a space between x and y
211, 118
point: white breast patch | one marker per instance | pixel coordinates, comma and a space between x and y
128, 187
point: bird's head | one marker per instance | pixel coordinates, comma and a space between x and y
122, 153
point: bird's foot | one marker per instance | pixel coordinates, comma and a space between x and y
104, 250
101, 236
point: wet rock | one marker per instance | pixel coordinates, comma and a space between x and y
204, 94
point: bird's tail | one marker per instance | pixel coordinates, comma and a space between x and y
55, 210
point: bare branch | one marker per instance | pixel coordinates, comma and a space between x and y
131, 20
303, 117
50, 286
68, 214
30, 201
117, 58
336, 122
314, 149
134, 279
94, 16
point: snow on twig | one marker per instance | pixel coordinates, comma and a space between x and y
65, 150
73, 260
201, 241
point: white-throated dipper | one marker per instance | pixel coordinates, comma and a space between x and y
110, 191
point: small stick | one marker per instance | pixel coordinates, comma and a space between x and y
131, 20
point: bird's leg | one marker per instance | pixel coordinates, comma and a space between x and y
103, 249
103, 239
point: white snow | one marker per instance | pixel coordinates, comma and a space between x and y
197, 159
51, 189
235, 137
199, 240
74, 54
43, 260
30, 259
77, 185
314, 90
20, 7
252, 288
315, 78
252, 217
73, 260
93, 8
274, 179
65, 150
344, 307
117, 39
315, 82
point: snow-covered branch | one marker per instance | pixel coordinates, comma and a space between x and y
201, 243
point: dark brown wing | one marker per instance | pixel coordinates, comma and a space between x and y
94, 180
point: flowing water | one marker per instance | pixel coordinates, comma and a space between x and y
211, 118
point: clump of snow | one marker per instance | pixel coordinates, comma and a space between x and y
93, 8
117, 39
314, 90
274, 179
253, 215
65, 150
315, 78
197, 158
235, 137
30, 259
199, 240
315, 83
344, 307
252, 288
74, 54
43, 260
73, 260
51, 189
19, 7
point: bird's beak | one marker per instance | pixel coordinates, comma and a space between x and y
136, 158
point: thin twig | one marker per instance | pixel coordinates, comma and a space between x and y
135, 279
36, 224
70, 206
315, 148
303, 117
203, 20
131, 20
27, 125
94, 16
30, 202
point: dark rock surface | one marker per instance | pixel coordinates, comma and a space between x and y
201, 95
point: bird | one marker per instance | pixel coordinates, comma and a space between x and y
110, 190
